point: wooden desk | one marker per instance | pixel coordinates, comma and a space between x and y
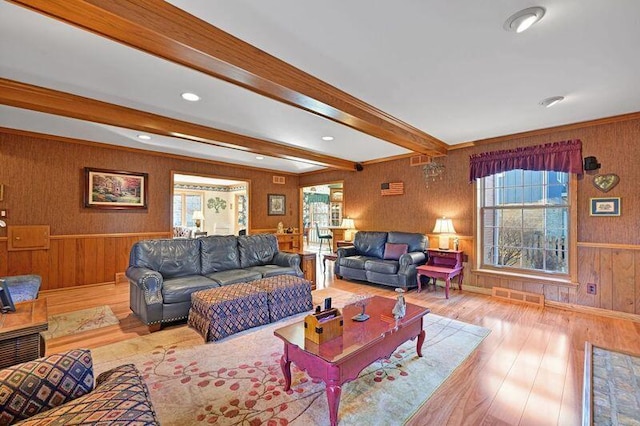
444, 264
20, 339
286, 242
289, 242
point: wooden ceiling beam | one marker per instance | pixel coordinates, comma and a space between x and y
163, 30
26, 96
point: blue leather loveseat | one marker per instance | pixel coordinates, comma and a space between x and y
388, 258
164, 273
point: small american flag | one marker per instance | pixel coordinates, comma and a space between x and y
392, 188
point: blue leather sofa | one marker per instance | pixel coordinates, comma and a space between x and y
164, 273
388, 258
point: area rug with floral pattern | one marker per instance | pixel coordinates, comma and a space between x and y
79, 321
238, 380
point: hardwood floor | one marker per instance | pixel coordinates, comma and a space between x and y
528, 371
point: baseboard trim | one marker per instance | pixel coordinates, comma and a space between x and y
474, 289
593, 311
76, 287
567, 306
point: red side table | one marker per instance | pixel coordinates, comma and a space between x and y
443, 264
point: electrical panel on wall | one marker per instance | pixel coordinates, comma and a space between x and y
280, 180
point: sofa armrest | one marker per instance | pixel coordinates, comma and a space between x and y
346, 251
147, 280
413, 258
407, 272
291, 260
286, 259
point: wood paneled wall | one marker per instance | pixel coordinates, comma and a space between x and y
612, 264
43, 185
74, 260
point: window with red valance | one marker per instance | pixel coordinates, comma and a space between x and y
565, 156
524, 209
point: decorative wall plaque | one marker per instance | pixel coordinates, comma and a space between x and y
605, 182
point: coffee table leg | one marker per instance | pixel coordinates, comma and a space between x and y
333, 397
285, 364
421, 337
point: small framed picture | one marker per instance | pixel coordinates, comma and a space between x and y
605, 206
276, 204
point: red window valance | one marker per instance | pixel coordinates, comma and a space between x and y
565, 156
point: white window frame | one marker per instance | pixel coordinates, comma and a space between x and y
183, 195
569, 277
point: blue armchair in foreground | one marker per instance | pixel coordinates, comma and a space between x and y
22, 287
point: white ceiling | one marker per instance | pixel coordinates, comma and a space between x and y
446, 68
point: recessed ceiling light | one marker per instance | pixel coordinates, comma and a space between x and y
192, 97
259, 157
523, 20
549, 102
327, 138
144, 137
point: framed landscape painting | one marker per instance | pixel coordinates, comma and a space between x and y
110, 189
276, 204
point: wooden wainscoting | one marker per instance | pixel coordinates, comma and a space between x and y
613, 268
74, 260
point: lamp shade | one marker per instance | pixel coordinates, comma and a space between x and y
444, 226
347, 223
198, 215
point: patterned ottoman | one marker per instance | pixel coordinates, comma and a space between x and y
287, 295
219, 312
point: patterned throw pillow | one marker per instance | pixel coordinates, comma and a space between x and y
120, 398
394, 251
36, 386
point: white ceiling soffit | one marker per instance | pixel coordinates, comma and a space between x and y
447, 68
203, 180
49, 124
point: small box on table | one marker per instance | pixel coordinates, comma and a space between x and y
323, 326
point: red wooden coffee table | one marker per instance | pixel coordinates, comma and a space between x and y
341, 360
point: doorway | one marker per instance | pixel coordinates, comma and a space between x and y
323, 205
209, 205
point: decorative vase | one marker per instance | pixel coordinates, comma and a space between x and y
400, 309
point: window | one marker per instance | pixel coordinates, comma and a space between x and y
184, 204
316, 209
524, 221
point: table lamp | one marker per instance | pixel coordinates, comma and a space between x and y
198, 217
445, 228
349, 227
